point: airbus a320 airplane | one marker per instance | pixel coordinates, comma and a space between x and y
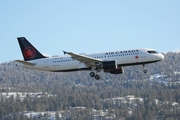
109, 62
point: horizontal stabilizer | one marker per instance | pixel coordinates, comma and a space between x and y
25, 62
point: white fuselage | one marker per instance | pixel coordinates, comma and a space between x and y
122, 58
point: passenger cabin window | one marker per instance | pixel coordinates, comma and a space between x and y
152, 52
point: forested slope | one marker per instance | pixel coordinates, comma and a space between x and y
79, 89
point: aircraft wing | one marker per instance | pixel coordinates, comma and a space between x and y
25, 62
88, 61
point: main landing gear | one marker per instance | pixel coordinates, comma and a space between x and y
96, 76
144, 70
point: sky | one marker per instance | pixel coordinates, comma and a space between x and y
88, 26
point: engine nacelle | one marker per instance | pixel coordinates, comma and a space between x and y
119, 70
112, 67
109, 65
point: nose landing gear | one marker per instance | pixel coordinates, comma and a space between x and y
144, 70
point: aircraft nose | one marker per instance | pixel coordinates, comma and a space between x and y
161, 56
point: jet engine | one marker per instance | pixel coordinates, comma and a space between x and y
109, 65
112, 67
119, 70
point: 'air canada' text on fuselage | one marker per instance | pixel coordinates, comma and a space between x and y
119, 52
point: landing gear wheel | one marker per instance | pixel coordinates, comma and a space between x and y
97, 77
145, 71
92, 74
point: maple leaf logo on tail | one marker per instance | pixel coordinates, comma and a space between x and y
29, 53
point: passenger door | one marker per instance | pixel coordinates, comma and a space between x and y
46, 64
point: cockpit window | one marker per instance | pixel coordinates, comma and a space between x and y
152, 52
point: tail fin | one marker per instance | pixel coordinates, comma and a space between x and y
28, 50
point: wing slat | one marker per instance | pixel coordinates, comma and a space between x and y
88, 61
